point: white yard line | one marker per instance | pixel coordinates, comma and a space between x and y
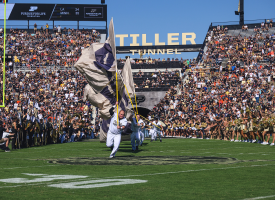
255, 198
198, 170
140, 175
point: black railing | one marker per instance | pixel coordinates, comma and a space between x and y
30, 28
236, 24
157, 65
152, 89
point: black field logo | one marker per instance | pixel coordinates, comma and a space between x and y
146, 160
140, 99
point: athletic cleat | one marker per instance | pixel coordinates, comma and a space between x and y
237, 141
160, 140
254, 141
112, 157
264, 143
232, 140
272, 144
7, 149
136, 148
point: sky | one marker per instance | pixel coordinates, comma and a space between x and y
161, 17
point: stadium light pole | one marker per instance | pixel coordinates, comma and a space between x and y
241, 11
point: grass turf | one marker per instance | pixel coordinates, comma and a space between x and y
250, 176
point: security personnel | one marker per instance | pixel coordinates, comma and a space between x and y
49, 128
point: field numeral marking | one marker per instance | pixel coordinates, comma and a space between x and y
72, 185
44, 178
96, 183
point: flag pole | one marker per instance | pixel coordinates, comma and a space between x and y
131, 102
136, 102
111, 26
129, 97
117, 97
149, 121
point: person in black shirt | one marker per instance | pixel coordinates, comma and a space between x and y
24, 130
49, 128
42, 132
15, 130
64, 137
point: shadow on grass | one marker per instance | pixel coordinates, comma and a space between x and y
130, 150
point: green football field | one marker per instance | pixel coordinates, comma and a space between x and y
173, 169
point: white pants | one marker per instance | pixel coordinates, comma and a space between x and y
113, 140
141, 135
154, 135
135, 139
151, 132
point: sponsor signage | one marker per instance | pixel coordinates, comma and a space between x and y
31, 12
64, 12
80, 12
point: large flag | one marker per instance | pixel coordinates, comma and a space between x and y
98, 62
98, 65
106, 98
128, 78
125, 79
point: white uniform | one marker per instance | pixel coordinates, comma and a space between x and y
141, 131
156, 130
114, 134
135, 136
151, 131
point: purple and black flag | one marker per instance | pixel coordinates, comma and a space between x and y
98, 62
125, 79
98, 65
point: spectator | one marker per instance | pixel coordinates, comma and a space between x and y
35, 27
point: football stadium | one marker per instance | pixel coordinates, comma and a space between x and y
157, 102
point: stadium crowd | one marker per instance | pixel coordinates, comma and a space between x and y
156, 79
225, 102
47, 107
210, 101
41, 48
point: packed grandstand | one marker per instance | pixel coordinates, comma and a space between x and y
227, 93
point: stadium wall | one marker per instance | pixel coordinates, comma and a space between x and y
149, 99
